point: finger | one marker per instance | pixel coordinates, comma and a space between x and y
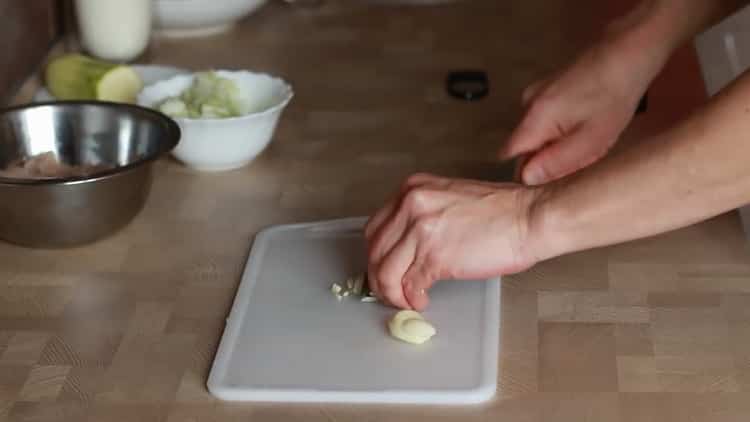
434, 194
373, 225
416, 284
394, 266
532, 91
415, 204
536, 129
428, 198
411, 198
566, 156
372, 281
420, 275
371, 228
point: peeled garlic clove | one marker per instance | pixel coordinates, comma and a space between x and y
401, 316
411, 327
417, 331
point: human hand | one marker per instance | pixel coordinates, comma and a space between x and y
574, 117
441, 229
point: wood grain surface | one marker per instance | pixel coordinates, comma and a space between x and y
654, 330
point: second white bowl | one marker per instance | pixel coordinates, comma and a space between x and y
196, 18
229, 143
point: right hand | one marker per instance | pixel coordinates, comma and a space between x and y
573, 118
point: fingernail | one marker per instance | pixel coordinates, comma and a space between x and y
533, 176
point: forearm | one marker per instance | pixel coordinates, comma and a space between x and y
647, 36
690, 173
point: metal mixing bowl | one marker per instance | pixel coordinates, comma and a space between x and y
53, 213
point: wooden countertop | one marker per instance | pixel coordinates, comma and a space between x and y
655, 330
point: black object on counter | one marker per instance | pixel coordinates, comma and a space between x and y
469, 85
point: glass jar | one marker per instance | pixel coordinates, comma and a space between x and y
115, 30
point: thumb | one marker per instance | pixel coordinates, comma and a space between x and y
536, 129
568, 155
518, 167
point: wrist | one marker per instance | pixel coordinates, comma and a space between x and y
545, 229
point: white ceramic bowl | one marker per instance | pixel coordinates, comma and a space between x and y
225, 144
186, 18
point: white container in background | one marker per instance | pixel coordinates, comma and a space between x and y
116, 30
724, 55
198, 18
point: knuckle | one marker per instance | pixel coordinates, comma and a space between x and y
416, 200
421, 227
424, 227
416, 179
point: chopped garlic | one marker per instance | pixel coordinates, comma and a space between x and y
358, 283
354, 286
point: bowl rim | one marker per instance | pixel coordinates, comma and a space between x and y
203, 2
173, 138
288, 95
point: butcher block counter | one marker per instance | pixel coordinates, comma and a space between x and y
127, 329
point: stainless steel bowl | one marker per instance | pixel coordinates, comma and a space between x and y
54, 213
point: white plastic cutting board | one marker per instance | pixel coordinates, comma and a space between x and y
288, 339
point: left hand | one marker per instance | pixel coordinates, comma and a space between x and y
443, 229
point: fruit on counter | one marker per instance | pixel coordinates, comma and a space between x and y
411, 327
78, 77
209, 96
